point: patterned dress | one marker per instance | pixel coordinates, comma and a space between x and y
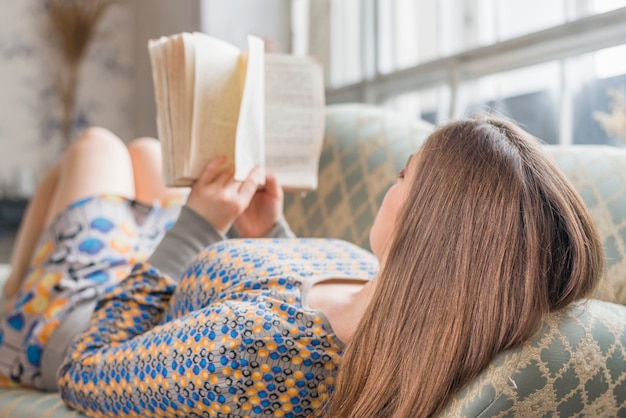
87, 250
235, 338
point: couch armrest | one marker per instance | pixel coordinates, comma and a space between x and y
574, 366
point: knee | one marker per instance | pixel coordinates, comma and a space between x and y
144, 145
98, 134
98, 140
145, 152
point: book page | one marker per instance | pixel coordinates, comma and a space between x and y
217, 95
173, 88
250, 142
186, 67
294, 119
174, 80
156, 49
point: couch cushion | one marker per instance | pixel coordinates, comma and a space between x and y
599, 174
16, 403
574, 366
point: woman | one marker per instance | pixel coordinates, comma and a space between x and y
230, 333
492, 238
448, 236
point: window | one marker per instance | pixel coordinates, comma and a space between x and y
428, 105
550, 65
527, 95
594, 76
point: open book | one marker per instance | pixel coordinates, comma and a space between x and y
255, 108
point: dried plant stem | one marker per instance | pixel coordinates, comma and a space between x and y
68, 94
74, 22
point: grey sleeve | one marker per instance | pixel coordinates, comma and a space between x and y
185, 239
281, 230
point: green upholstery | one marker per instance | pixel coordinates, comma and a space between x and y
574, 366
18, 403
599, 175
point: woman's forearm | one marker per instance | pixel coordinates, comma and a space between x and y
182, 242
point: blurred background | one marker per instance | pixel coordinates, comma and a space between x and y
548, 64
555, 66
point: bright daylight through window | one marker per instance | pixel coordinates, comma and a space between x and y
552, 65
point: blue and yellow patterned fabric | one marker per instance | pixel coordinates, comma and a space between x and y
572, 366
87, 250
234, 338
20, 402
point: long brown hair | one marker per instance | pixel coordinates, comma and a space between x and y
491, 238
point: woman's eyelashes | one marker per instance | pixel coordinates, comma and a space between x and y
401, 174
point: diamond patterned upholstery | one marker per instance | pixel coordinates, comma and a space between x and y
575, 366
599, 175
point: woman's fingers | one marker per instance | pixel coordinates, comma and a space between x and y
219, 198
211, 170
271, 184
225, 178
249, 186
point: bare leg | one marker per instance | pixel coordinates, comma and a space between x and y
96, 163
31, 229
145, 154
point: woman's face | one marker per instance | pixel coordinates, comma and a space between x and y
389, 211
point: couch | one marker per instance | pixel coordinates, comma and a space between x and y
574, 366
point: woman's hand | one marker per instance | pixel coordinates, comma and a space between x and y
218, 198
264, 211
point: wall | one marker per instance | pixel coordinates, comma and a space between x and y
233, 20
116, 86
30, 136
230, 21
154, 18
